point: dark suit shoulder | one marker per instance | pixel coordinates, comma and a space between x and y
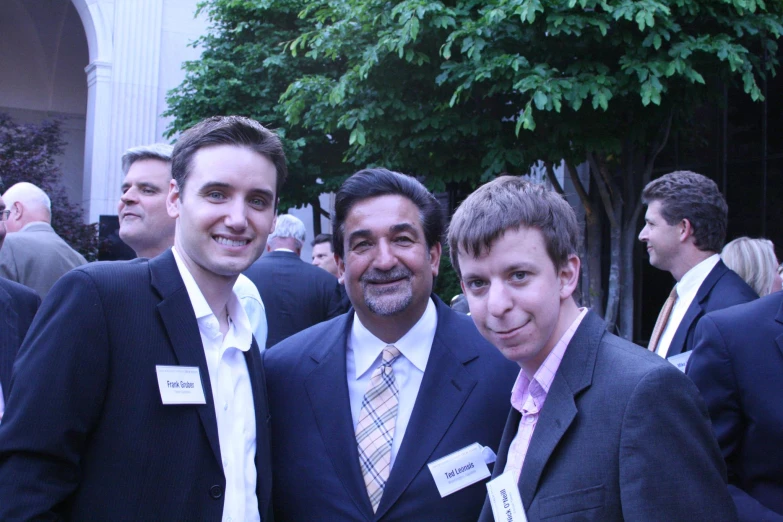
631, 362
729, 290
22, 295
314, 341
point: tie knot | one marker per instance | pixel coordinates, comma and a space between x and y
389, 354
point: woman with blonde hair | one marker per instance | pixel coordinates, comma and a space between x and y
754, 261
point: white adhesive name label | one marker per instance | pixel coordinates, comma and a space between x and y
459, 469
680, 361
180, 385
505, 500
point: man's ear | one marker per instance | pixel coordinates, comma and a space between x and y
340, 267
685, 229
435, 252
173, 199
569, 276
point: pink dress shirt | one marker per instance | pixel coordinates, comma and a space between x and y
528, 397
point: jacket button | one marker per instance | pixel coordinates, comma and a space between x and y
216, 492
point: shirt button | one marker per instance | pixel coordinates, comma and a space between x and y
216, 492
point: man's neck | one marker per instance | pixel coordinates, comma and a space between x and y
693, 258
391, 329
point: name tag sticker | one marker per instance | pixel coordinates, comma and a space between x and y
505, 500
459, 469
680, 361
180, 385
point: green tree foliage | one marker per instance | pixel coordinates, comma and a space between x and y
460, 91
244, 70
28, 152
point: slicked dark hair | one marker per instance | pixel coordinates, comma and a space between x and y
227, 130
687, 195
373, 183
322, 238
508, 203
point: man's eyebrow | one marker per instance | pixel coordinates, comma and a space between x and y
362, 233
404, 227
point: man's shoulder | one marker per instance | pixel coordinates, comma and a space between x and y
315, 342
728, 289
626, 362
19, 292
125, 275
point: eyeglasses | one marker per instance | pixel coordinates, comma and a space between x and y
5, 214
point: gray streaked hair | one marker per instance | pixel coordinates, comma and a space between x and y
754, 261
289, 226
156, 151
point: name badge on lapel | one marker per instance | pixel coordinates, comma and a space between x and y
180, 385
459, 469
505, 500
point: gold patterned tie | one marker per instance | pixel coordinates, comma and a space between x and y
375, 429
663, 319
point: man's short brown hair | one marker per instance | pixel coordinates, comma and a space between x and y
687, 195
508, 203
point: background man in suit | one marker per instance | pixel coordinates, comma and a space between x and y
685, 228
18, 305
403, 370
737, 363
323, 253
146, 227
296, 294
34, 255
583, 437
90, 409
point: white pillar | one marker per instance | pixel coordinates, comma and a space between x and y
96, 144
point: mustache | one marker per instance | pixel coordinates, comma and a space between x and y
381, 276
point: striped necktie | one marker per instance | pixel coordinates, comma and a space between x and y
375, 429
662, 321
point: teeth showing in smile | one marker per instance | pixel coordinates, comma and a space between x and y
230, 242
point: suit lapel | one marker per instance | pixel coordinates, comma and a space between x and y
262, 460
444, 389
9, 340
574, 375
332, 413
179, 319
695, 310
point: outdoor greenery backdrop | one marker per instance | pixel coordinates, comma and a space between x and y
458, 92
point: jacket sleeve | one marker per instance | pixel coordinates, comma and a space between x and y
57, 392
711, 369
670, 465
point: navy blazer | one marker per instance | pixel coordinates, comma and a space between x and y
722, 288
737, 363
464, 397
85, 435
18, 305
622, 435
296, 294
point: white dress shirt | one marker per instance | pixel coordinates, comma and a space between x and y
248, 295
233, 398
686, 293
363, 356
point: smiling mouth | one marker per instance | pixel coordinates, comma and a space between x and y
230, 242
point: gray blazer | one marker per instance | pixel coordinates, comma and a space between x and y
37, 257
623, 435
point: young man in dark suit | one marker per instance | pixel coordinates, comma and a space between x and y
737, 364
139, 393
685, 228
18, 305
363, 404
583, 439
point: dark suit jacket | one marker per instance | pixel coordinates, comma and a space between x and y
464, 397
85, 436
37, 257
722, 288
296, 294
623, 435
18, 305
737, 363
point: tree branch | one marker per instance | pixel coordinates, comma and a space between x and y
606, 198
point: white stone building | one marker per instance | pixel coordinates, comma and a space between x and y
104, 67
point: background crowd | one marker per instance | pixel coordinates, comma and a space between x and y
334, 390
